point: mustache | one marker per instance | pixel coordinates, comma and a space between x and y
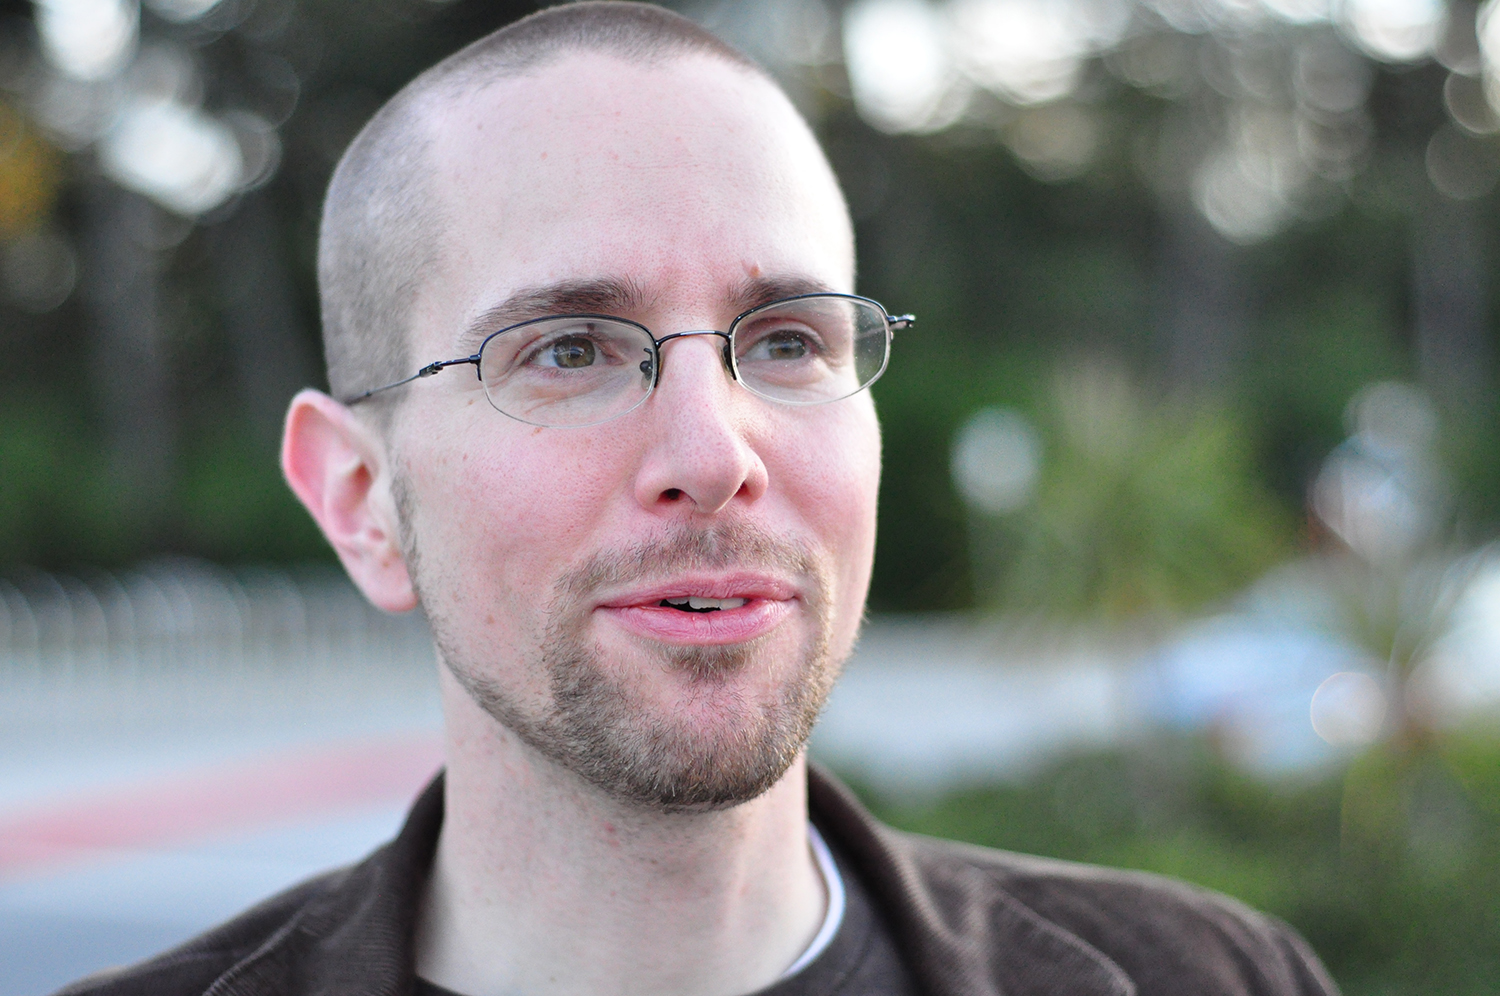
733, 544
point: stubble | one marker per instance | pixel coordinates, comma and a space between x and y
598, 724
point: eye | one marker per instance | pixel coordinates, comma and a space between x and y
779, 343
575, 348
571, 352
783, 346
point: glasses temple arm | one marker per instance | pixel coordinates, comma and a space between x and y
898, 322
426, 371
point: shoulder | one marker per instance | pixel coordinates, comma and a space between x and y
193, 967
973, 919
1167, 936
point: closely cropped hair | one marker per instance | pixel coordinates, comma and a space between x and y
381, 225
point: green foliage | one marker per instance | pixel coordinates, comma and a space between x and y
921, 561
236, 507
1007, 274
1146, 509
1314, 353
55, 501
61, 503
1469, 447
1407, 903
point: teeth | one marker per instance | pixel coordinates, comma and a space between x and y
695, 604
714, 603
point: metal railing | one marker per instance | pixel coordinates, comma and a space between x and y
175, 632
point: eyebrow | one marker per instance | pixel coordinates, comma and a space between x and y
622, 297
756, 291
605, 296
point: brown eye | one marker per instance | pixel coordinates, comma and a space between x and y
785, 346
572, 352
780, 346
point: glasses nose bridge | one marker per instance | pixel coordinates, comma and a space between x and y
661, 357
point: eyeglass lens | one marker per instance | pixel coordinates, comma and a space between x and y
568, 371
575, 371
810, 350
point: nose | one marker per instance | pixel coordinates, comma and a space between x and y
700, 456
661, 343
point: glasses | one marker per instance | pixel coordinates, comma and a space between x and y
571, 371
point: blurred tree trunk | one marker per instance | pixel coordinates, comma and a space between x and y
262, 322
1455, 358
129, 365
1202, 301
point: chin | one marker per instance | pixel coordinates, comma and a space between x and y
719, 732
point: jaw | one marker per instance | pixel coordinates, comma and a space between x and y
671, 726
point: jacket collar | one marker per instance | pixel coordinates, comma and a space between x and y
958, 929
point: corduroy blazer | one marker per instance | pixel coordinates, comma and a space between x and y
968, 921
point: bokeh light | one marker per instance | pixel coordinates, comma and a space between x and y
1395, 30
996, 458
176, 155
900, 72
88, 39
1348, 709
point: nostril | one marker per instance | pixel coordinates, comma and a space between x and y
672, 494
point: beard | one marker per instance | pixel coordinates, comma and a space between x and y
602, 728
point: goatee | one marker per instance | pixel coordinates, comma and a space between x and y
602, 729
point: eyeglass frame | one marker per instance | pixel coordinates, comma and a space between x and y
893, 324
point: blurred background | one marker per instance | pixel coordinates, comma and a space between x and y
1192, 463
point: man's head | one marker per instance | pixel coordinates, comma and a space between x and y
610, 159
382, 219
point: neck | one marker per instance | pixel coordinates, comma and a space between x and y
543, 884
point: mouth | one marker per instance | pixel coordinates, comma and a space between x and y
707, 611
692, 603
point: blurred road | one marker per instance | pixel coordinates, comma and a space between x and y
126, 830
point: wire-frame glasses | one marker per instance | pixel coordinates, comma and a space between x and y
570, 371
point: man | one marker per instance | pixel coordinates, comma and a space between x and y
639, 513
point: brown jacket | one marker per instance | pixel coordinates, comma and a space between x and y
968, 921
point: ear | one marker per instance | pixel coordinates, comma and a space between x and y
339, 468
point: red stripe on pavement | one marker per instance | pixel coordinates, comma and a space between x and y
191, 808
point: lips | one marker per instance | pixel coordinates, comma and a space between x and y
703, 611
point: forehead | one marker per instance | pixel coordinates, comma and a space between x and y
681, 173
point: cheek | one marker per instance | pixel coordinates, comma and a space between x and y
834, 485
504, 512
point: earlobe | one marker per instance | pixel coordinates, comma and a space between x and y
338, 468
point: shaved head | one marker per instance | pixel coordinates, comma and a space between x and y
382, 218
614, 159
